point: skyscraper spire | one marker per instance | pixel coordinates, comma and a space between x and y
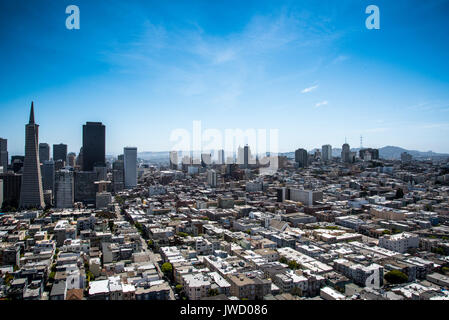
32, 113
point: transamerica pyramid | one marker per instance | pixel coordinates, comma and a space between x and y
31, 195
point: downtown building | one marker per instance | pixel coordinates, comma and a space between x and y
60, 152
326, 153
130, 165
48, 175
31, 193
94, 145
4, 154
301, 157
64, 187
173, 160
346, 155
44, 152
118, 174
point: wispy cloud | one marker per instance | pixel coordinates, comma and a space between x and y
322, 103
339, 59
309, 89
431, 105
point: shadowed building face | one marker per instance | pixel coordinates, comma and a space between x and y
93, 145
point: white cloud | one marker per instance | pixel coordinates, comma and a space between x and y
309, 89
322, 103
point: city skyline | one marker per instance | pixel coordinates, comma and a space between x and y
252, 153
233, 152
294, 66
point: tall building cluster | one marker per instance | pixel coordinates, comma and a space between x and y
61, 179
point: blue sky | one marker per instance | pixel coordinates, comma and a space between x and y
308, 68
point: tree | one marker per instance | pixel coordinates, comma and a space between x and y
292, 264
167, 268
283, 260
8, 278
213, 292
179, 288
438, 250
396, 277
182, 234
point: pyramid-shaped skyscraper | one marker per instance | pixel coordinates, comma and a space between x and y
31, 194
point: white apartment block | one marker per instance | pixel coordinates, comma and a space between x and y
399, 242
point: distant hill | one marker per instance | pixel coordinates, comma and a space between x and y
391, 152
161, 156
387, 152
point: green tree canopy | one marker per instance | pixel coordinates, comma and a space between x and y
213, 292
396, 277
167, 268
292, 264
283, 260
179, 288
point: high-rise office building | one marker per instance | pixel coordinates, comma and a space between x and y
173, 160
79, 159
206, 159
302, 157
118, 176
31, 195
85, 188
44, 152
212, 178
346, 155
1, 188
64, 189
326, 153
130, 164
71, 159
221, 157
12, 183
60, 152
94, 145
240, 156
48, 176
246, 155
4, 154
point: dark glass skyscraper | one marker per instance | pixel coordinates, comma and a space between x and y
44, 152
246, 156
4, 154
302, 157
31, 195
94, 141
60, 152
